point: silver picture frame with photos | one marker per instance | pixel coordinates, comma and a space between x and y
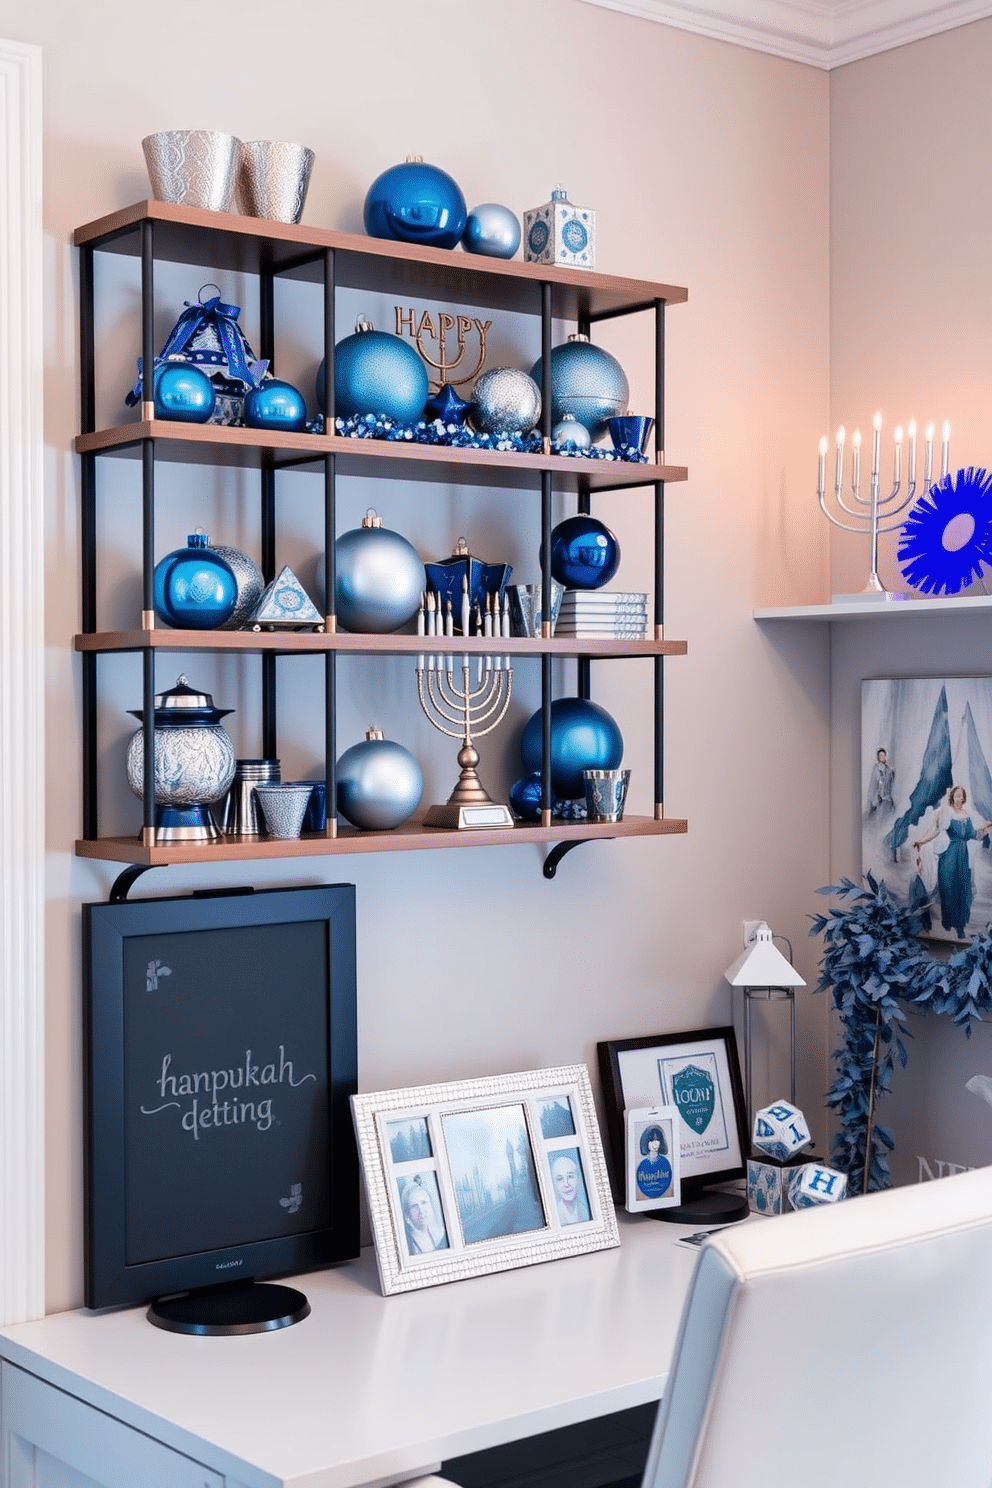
483, 1175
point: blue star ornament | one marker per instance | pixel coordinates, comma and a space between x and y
946, 541
447, 406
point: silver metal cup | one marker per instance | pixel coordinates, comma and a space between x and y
193, 167
241, 818
283, 807
273, 177
606, 792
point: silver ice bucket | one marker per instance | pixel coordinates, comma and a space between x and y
193, 167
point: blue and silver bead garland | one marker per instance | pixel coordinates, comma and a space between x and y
375, 426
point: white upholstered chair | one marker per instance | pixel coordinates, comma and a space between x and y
848, 1346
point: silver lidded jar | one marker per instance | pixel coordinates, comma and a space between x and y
194, 763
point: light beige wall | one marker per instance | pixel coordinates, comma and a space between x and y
911, 216
708, 166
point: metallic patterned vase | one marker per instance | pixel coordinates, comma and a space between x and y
194, 763
273, 177
192, 167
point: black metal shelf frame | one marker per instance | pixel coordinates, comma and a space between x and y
89, 544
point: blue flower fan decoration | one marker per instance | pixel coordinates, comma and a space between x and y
946, 541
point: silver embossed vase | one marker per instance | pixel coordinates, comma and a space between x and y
194, 763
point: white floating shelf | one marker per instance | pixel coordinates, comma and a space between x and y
879, 609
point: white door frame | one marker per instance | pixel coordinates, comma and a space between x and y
22, 681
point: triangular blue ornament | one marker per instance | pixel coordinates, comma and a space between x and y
286, 602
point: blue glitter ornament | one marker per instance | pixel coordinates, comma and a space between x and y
584, 553
587, 382
379, 783
380, 578
946, 541
416, 203
376, 372
194, 588
275, 405
182, 392
493, 230
583, 737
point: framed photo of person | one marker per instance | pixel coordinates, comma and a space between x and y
483, 1175
699, 1074
653, 1153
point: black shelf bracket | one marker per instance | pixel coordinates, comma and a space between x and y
557, 853
125, 881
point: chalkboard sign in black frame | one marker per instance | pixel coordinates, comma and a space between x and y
111, 933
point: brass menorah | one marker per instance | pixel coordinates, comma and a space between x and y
466, 712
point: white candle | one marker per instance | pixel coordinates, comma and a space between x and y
449, 621
945, 450
928, 457
839, 482
465, 606
855, 460
506, 616
487, 619
823, 466
430, 615
421, 623
911, 431
897, 474
876, 445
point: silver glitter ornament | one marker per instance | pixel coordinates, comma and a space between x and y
248, 577
507, 401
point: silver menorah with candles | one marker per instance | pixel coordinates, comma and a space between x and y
874, 513
466, 711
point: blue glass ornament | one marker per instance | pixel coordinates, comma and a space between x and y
275, 405
584, 553
493, 230
376, 372
380, 578
415, 203
946, 541
182, 392
583, 737
194, 588
587, 382
525, 797
379, 783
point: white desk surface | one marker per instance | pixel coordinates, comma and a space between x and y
371, 1389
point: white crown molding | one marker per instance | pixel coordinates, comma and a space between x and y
22, 655
821, 33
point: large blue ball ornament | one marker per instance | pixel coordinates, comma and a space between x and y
379, 783
380, 578
415, 203
275, 405
376, 372
183, 392
587, 382
584, 553
583, 737
493, 230
194, 587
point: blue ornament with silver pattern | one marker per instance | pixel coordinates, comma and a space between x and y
415, 203
182, 392
194, 588
376, 372
587, 382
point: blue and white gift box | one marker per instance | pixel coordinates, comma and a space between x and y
560, 233
768, 1184
814, 1183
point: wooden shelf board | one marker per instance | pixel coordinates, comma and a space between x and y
219, 444
225, 241
412, 837
295, 643
881, 609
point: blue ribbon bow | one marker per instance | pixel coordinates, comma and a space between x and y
193, 319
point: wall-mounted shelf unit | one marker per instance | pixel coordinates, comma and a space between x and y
159, 231
881, 609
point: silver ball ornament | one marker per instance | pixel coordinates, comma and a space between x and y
380, 578
493, 230
569, 430
507, 401
379, 783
